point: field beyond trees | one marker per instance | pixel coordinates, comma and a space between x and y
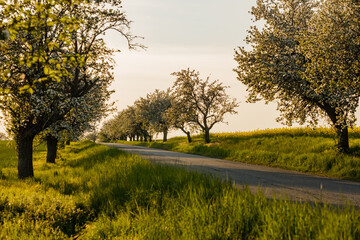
95, 192
300, 149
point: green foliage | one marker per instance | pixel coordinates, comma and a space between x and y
28, 22
301, 149
95, 192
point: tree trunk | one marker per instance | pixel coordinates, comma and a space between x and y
187, 134
341, 130
207, 135
165, 133
343, 138
52, 143
25, 157
188, 137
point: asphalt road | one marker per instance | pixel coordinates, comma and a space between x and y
284, 184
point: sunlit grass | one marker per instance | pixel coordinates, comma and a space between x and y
301, 149
95, 192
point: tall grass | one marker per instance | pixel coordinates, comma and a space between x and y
94, 192
7, 155
301, 149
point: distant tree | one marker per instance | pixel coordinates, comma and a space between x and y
306, 57
114, 128
208, 99
151, 111
54, 57
131, 126
104, 134
92, 136
180, 115
118, 128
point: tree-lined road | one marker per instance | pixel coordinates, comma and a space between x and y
284, 183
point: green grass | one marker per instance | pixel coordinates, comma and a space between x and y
95, 192
300, 149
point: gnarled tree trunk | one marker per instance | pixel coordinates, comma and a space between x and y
188, 137
165, 133
52, 143
342, 138
207, 135
187, 134
341, 130
25, 154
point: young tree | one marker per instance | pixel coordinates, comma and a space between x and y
281, 65
54, 57
208, 99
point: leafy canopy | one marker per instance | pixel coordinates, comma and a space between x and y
306, 56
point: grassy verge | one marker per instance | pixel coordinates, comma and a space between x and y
94, 192
300, 149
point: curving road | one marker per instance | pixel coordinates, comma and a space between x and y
283, 183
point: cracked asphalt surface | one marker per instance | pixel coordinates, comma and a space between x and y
284, 184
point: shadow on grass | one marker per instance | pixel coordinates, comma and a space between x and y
86, 160
147, 184
355, 151
216, 152
95, 156
164, 146
81, 148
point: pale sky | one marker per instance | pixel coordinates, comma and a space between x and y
200, 35
181, 34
